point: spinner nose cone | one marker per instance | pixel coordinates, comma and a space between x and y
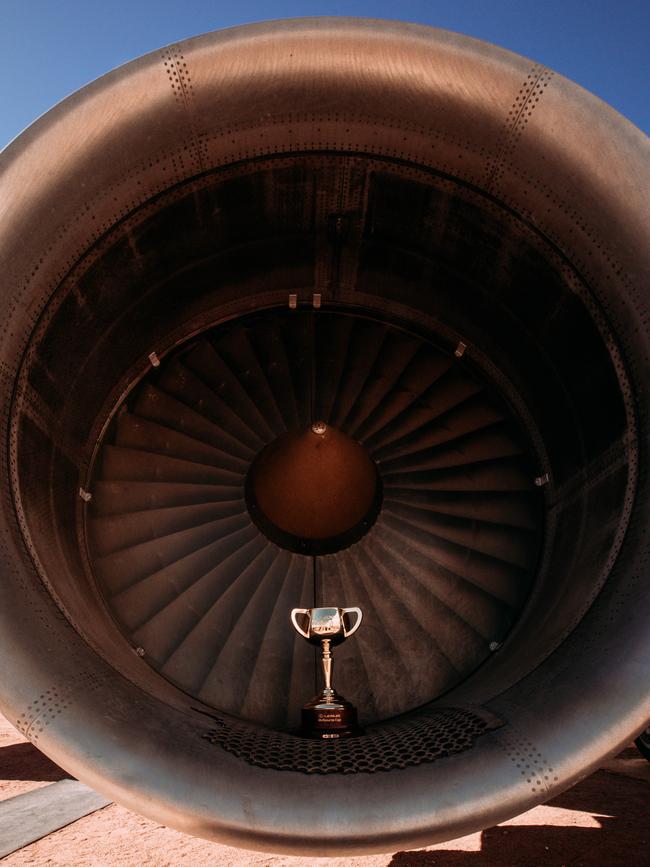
314, 485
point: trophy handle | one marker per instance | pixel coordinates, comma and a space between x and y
348, 632
295, 622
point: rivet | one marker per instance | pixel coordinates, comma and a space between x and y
153, 358
86, 496
460, 349
319, 427
540, 481
293, 300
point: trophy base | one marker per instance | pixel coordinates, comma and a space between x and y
329, 717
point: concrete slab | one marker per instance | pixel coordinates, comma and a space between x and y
28, 817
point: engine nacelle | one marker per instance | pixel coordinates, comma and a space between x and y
437, 249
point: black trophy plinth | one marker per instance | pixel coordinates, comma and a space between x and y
329, 716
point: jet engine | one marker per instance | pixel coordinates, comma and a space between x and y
326, 312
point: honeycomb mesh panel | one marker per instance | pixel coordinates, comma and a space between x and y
421, 737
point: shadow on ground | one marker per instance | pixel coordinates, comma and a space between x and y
620, 806
25, 762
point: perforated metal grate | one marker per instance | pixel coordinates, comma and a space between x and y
412, 740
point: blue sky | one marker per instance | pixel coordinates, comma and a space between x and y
49, 48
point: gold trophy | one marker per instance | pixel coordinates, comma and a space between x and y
327, 715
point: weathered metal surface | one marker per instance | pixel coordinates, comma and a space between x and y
431, 182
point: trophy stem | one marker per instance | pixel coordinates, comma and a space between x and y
326, 659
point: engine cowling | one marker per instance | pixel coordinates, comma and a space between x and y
437, 249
